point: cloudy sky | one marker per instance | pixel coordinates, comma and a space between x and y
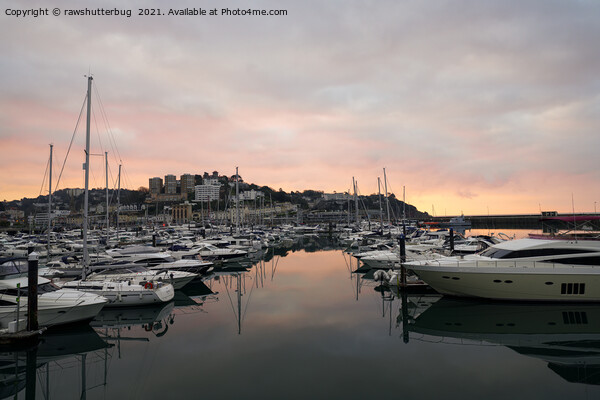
473, 106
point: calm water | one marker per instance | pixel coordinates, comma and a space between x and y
302, 326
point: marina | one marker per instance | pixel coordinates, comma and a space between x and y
301, 321
302, 200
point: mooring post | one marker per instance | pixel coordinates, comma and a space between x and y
32, 299
451, 240
402, 243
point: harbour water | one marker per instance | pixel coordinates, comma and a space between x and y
300, 324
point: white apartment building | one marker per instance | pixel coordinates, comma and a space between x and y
211, 181
251, 195
206, 192
336, 196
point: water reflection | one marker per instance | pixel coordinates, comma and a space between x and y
117, 319
565, 336
58, 350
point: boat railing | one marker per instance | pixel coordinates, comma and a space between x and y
502, 264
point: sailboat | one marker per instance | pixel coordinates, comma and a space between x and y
118, 293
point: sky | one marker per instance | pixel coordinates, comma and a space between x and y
474, 107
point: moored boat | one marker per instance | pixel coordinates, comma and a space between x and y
524, 269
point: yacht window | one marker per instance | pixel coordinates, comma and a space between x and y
503, 253
578, 260
23, 292
10, 267
47, 288
572, 288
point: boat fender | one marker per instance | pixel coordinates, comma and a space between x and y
148, 285
381, 275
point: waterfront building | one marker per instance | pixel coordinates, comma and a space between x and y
181, 213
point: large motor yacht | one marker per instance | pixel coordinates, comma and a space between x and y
523, 269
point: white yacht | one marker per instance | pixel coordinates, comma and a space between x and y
391, 258
56, 306
209, 252
133, 249
126, 293
195, 266
137, 274
475, 244
147, 258
524, 269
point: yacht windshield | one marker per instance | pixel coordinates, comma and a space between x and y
14, 266
494, 252
23, 292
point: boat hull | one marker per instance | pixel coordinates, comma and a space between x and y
533, 284
53, 313
120, 294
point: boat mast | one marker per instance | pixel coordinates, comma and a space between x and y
237, 201
86, 256
404, 210
106, 173
354, 183
387, 199
49, 205
348, 193
380, 205
118, 202
272, 208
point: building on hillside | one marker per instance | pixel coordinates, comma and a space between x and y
170, 184
211, 181
207, 192
167, 198
335, 196
251, 195
187, 183
75, 192
155, 186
